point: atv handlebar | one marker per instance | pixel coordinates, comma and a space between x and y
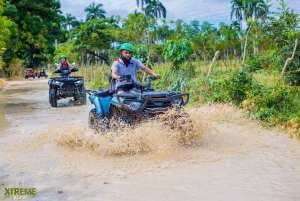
61, 71
137, 84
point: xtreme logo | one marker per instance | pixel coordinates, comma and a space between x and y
20, 191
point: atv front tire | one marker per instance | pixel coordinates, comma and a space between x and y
97, 122
81, 96
49, 96
53, 99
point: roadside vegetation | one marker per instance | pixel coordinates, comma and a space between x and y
255, 67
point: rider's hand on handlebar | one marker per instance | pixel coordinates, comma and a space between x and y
118, 77
157, 76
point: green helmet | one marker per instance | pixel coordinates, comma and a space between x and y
63, 56
127, 46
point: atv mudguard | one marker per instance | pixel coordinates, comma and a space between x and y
101, 103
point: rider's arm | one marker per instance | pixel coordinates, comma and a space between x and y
114, 74
148, 70
70, 65
58, 66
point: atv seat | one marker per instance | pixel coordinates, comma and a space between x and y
149, 94
102, 93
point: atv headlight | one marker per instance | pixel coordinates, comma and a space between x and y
79, 82
178, 101
57, 83
133, 105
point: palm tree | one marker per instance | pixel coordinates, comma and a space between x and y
94, 11
237, 9
155, 9
114, 20
235, 25
142, 2
69, 21
257, 9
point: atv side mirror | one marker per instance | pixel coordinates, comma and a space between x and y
57, 71
56, 64
73, 64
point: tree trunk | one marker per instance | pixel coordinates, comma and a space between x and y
245, 46
288, 60
82, 58
213, 62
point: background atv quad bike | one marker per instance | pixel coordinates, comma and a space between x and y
42, 73
66, 86
29, 73
133, 107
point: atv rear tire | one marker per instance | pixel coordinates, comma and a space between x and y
97, 122
53, 99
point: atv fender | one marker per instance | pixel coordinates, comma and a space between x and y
101, 104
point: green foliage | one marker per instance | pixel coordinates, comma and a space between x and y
5, 29
174, 79
255, 63
274, 105
278, 39
38, 24
141, 53
93, 34
135, 26
233, 88
177, 51
67, 48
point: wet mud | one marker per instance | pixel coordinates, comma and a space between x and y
215, 153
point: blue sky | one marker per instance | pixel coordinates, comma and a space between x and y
213, 11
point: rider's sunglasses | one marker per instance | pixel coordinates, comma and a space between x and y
126, 52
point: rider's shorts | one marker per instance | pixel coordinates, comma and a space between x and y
125, 88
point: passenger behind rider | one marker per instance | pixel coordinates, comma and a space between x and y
127, 65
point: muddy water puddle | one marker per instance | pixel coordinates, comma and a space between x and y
225, 157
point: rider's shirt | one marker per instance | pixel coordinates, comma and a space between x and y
129, 69
65, 64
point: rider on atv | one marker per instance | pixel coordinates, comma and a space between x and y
64, 64
127, 65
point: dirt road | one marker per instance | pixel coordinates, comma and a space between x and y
236, 159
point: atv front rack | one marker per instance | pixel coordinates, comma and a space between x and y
69, 78
146, 99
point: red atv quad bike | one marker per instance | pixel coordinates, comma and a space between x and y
29, 73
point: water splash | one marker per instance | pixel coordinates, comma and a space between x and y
166, 133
